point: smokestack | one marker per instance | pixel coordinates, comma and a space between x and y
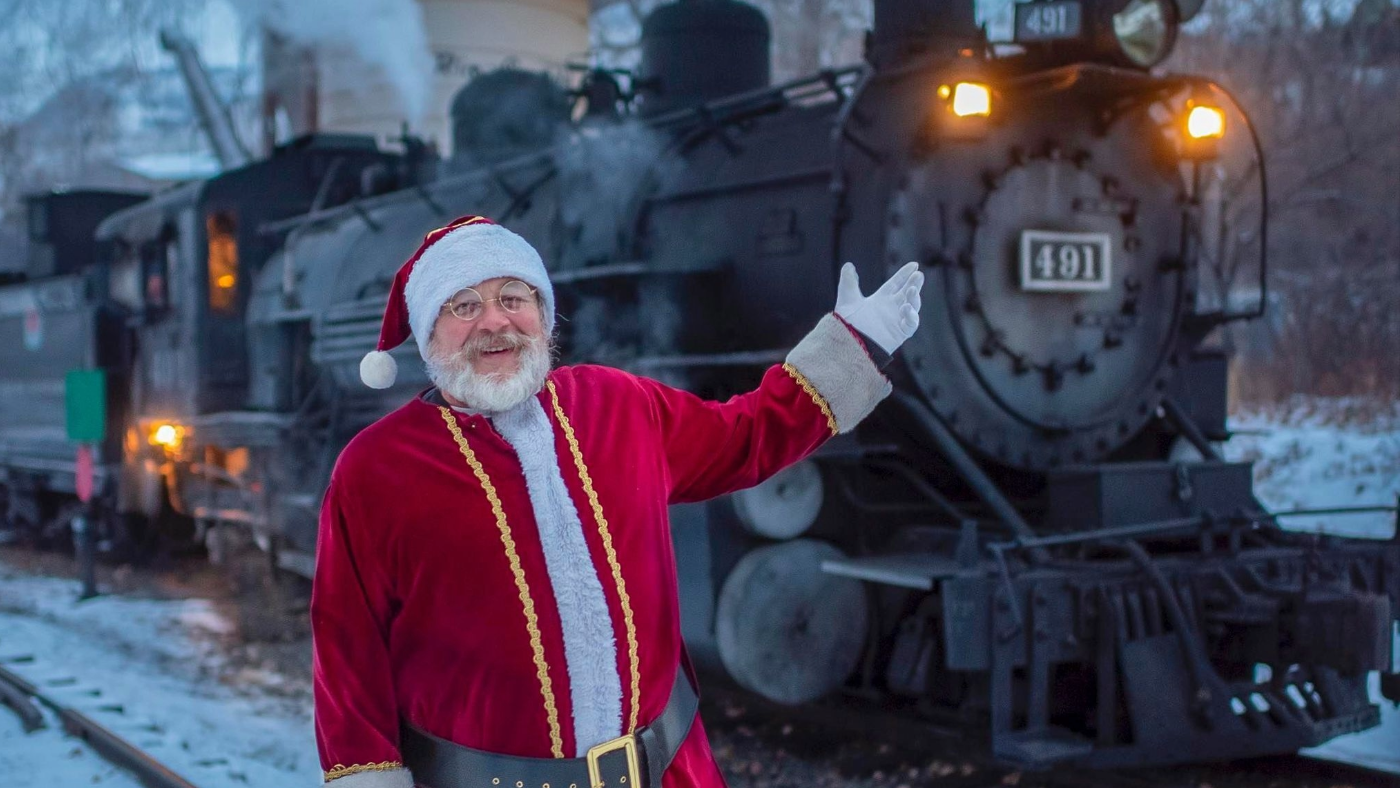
213, 115
906, 28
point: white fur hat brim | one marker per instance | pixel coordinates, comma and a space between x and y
468, 256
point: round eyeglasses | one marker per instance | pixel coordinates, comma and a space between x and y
467, 304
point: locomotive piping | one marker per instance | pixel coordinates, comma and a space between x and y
838, 186
276, 226
324, 189
1203, 676
1158, 528
1188, 428
951, 450
913, 479
1258, 312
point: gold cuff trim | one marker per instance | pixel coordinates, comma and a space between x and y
812, 392
556, 739
340, 770
603, 530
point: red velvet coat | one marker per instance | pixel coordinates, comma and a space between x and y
418, 611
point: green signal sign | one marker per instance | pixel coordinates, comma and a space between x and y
85, 397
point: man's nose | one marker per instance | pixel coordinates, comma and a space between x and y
494, 317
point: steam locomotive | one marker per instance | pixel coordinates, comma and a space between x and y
1034, 537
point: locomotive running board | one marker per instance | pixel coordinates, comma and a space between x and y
919, 571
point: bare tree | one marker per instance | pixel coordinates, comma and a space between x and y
67, 62
1319, 80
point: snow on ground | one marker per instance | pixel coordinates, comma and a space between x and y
159, 660
1316, 454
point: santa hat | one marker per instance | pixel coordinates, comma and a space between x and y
466, 252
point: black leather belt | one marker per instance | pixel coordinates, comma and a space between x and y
632, 761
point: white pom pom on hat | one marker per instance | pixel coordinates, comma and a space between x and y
378, 369
466, 252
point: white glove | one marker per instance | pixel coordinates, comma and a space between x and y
888, 316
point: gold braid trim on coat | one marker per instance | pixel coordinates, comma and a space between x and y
340, 770
556, 739
587, 480
812, 392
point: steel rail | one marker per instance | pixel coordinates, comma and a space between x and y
115, 749
19, 701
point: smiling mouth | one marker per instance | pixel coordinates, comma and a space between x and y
497, 352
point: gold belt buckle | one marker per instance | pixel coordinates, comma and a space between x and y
626, 743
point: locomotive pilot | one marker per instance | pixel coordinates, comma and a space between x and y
495, 596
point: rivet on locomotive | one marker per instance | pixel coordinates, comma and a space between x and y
1034, 537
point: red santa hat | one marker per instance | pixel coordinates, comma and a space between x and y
466, 252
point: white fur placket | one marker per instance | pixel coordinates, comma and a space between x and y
590, 650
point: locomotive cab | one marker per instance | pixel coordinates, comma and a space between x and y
183, 264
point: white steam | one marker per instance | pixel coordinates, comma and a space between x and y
602, 167
387, 35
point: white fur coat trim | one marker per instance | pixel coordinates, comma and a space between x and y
590, 650
468, 256
832, 360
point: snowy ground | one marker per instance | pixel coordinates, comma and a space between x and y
1322, 454
160, 661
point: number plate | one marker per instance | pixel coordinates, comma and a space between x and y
1065, 261
1050, 21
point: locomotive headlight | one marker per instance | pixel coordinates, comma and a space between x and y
971, 98
1146, 30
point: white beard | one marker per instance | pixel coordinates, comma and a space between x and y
494, 392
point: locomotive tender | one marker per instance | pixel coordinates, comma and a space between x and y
1034, 537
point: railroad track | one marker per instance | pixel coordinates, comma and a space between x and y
25, 698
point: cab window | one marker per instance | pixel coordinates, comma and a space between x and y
222, 230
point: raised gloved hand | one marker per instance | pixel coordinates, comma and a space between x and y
888, 316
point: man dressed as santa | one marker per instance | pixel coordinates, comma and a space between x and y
495, 593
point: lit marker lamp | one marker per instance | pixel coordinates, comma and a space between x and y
964, 109
1203, 128
166, 435
967, 99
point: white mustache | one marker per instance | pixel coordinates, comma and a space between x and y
490, 343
